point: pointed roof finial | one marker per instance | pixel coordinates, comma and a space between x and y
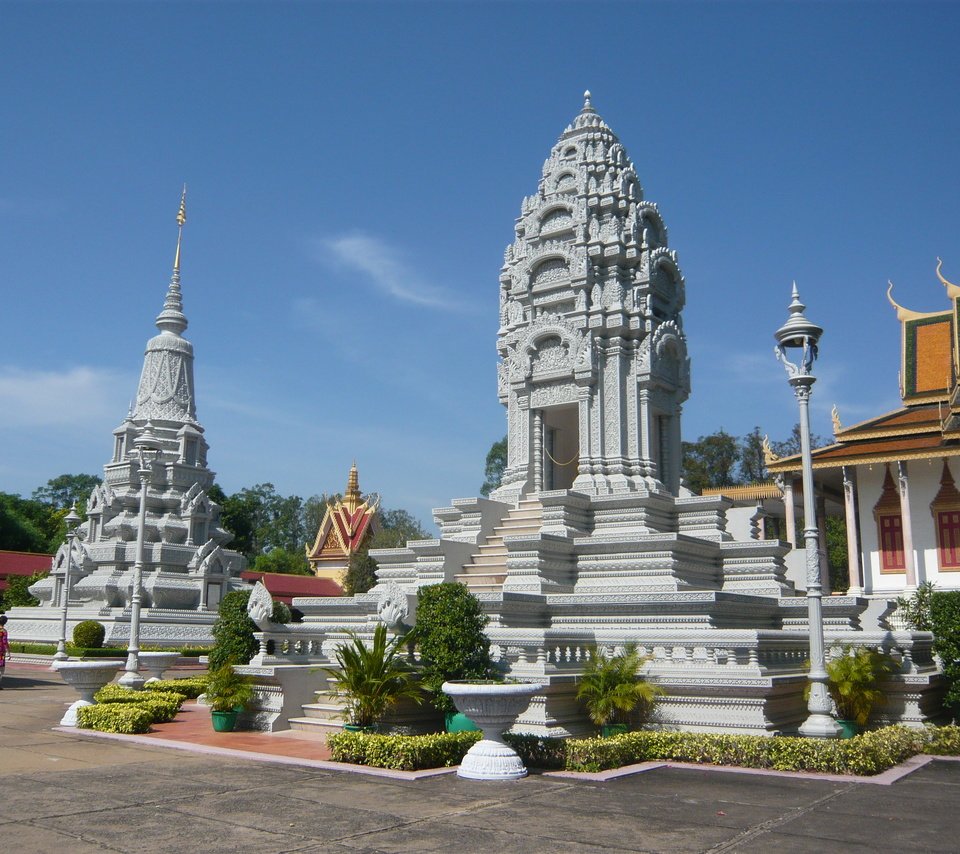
172, 319
587, 103
352, 496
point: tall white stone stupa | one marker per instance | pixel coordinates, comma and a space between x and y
187, 568
591, 542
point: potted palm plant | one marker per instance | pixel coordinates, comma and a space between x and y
372, 679
853, 682
612, 690
227, 694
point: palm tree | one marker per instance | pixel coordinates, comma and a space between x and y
372, 679
611, 689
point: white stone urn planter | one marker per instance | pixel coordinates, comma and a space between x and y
155, 663
86, 678
492, 706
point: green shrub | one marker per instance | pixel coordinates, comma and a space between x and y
916, 608
943, 741
89, 633
863, 755
612, 689
402, 752
227, 690
191, 687
234, 642
162, 705
945, 620
450, 623
125, 718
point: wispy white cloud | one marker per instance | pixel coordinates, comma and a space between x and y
75, 397
384, 267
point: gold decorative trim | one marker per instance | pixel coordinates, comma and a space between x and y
953, 291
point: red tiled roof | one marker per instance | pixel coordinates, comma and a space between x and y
285, 587
23, 563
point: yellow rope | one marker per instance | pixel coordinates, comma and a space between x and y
572, 459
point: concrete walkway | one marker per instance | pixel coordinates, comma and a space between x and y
62, 791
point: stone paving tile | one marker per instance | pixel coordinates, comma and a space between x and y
715, 810
593, 825
25, 838
206, 769
275, 812
445, 836
893, 832
135, 830
16, 761
400, 799
711, 785
783, 843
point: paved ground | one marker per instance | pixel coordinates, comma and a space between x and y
66, 792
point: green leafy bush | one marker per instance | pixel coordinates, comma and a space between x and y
945, 622
127, 718
162, 705
227, 690
450, 623
943, 741
611, 688
916, 608
17, 593
234, 642
853, 681
863, 755
372, 679
402, 752
89, 633
191, 687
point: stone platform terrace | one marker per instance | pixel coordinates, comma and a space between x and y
82, 794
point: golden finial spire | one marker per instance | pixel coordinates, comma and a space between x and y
768, 455
352, 496
835, 416
181, 219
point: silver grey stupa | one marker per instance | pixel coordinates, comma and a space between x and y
187, 567
592, 542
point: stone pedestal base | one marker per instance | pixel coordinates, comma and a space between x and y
491, 760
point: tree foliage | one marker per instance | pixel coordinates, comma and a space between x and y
450, 623
283, 561
17, 594
495, 465
66, 490
233, 630
397, 526
711, 461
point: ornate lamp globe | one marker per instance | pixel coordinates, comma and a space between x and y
72, 518
798, 333
147, 440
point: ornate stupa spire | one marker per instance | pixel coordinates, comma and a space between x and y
172, 319
166, 383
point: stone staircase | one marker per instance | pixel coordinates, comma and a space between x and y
323, 716
487, 569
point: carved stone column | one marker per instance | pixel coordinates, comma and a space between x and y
537, 450
907, 522
822, 539
853, 533
789, 511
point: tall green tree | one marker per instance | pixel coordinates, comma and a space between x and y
66, 490
753, 465
495, 465
711, 461
282, 561
29, 526
397, 526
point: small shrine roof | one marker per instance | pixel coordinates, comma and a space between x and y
285, 587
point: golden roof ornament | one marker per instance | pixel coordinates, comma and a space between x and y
835, 415
181, 219
769, 456
351, 497
953, 291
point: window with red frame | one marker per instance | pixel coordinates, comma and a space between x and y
948, 538
891, 543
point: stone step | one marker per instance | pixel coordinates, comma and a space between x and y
490, 559
322, 711
481, 579
314, 726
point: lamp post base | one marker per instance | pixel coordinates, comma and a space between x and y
820, 726
132, 679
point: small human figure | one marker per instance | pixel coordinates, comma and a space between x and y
4, 646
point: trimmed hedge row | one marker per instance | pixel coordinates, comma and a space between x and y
402, 752
864, 755
126, 718
162, 705
191, 687
101, 652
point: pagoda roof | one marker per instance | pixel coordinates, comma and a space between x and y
21, 563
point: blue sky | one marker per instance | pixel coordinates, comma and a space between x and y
354, 173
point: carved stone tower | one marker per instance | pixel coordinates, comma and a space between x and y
593, 361
187, 568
